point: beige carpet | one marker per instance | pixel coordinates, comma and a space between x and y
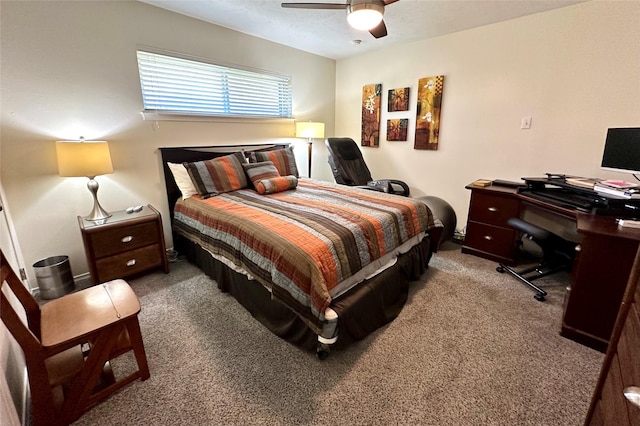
471, 347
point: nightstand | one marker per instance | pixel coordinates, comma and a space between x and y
124, 244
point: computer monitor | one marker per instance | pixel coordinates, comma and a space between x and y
622, 150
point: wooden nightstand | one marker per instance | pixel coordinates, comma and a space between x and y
124, 244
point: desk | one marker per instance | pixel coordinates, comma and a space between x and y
600, 271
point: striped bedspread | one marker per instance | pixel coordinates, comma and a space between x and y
302, 243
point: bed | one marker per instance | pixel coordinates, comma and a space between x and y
321, 265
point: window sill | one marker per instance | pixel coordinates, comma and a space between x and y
163, 116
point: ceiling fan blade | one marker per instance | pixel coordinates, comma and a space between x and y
388, 2
379, 31
315, 5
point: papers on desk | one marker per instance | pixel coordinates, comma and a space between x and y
619, 184
628, 223
582, 182
627, 191
618, 188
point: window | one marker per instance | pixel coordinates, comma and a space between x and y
179, 86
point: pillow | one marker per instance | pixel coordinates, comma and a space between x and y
259, 171
275, 184
283, 159
183, 180
218, 175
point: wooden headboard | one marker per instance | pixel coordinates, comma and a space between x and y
200, 153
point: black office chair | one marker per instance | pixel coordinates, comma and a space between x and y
557, 255
349, 168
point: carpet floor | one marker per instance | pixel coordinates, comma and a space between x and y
471, 347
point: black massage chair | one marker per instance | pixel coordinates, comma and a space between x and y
349, 168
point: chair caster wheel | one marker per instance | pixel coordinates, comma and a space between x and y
539, 297
500, 269
322, 351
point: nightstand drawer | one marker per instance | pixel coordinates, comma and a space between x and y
113, 241
491, 239
492, 209
131, 262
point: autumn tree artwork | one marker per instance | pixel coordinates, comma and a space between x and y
398, 100
397, 129
371, 98
428, 112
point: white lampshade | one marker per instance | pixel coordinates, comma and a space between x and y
365, 16
88, 159
309, 129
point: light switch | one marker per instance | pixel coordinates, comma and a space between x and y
525, 123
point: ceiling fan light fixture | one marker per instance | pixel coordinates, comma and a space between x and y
365, 16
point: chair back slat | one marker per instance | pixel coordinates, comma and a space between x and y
42, 398
26, 299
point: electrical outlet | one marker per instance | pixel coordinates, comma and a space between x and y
525, 123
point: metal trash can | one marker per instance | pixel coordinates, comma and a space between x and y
54, 276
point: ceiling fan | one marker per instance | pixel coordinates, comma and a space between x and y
363, 15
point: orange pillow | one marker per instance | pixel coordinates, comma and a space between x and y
276, 184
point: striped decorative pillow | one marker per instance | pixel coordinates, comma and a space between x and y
276, 184
283, 159
218, 175
259, 171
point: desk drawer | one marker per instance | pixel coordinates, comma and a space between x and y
112, 241
491, 239
128, 263
492, 209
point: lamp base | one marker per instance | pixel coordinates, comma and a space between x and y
309, 152
97, 212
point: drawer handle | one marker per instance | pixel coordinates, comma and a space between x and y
127, 239
131, 262
632, 393
493, 209
488, 237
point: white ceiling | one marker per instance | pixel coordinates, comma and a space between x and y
326, 32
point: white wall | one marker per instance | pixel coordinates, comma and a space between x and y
574, 70
69, 69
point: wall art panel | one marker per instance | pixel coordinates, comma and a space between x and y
428, 112
371, 98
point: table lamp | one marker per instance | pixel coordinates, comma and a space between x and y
309, 130
86, 158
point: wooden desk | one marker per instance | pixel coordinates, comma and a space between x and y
620, 366
600, 271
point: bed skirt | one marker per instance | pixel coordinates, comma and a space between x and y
362, 310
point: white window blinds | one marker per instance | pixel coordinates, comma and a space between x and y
182, 86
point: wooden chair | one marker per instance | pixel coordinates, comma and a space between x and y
65, 380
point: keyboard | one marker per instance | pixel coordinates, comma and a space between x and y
562, 197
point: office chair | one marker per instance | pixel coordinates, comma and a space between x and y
557, 255
349, 168
68, 344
